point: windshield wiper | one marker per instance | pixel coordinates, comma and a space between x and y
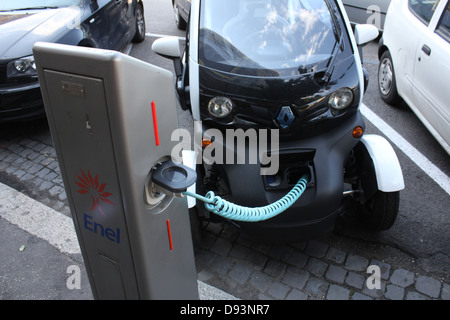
330, 67
338, 45
336, 27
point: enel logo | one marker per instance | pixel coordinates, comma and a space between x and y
98, 228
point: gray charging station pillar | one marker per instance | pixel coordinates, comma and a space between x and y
111, 118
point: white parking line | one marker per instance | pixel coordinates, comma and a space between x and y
418, 158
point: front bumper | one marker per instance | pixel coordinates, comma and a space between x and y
314, 214
21, 102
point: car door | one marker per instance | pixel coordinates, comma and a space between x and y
119, 13
94, 25
107, 23
401, 38
431, 92
124, 23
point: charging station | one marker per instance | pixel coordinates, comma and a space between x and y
111, 118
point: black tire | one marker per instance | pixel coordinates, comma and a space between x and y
380, 212
179, 21
387, 85
139, 36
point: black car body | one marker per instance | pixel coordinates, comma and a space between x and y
291, 66
181, 10
105, 24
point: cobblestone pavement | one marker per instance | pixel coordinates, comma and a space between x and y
30, 165
226, 259
308, 270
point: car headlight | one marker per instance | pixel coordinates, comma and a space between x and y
220, 107
21, 67
341, 99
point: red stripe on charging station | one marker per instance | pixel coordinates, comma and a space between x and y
169, 232
155, 123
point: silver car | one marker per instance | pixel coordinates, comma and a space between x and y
367, 11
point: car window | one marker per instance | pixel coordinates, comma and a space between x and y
443, 28
423, 9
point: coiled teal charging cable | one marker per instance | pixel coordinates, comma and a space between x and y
226, 209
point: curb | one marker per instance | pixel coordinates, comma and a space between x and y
58, 230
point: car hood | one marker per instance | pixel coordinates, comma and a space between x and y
19, 31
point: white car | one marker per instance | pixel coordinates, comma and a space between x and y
367, 11
414, 65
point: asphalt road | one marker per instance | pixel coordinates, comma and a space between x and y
422, 229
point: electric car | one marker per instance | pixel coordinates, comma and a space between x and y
291, 67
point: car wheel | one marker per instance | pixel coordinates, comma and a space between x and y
179, 21
140, 25
380, 212
386, 80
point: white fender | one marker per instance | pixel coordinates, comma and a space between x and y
387, 167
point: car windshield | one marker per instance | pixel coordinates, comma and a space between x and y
267, 37
12, 5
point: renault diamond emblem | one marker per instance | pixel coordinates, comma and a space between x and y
286, 117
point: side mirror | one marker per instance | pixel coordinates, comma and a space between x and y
167, 47
365, 33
